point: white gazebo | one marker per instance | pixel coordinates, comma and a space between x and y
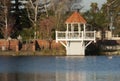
76, 38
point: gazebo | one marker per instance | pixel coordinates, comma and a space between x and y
76, 38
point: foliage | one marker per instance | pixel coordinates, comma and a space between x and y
34, 9
61, 9
112, 11
27, 34
7, 21
32, 16
42, 18
46, 27
96, 18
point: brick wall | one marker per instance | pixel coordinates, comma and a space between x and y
44, 44
9, 44
37, 44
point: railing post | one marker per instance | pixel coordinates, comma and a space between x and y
82, 35
66, 34
78, 34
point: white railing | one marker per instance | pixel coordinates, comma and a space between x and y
75, 35
115, 38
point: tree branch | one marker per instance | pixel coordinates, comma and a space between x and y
29, 16
31, 4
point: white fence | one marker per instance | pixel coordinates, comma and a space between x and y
75, 35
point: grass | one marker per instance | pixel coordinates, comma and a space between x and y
44, 52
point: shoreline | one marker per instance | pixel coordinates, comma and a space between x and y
42, 53
35, 53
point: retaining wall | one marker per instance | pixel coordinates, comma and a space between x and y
9, 44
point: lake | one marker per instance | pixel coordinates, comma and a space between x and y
63, 68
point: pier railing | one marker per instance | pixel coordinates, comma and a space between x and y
75, 35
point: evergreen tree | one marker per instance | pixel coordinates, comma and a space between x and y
96, 18
18, 10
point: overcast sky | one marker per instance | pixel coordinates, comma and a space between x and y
86, 3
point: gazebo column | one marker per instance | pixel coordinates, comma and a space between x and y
79, 29
72, 27
67, 27
84, 29
72, 30
84, 35
67, 35
67, 31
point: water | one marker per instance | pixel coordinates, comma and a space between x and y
69, 68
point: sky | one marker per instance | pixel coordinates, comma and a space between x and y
86, 3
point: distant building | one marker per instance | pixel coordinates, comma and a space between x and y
104, 35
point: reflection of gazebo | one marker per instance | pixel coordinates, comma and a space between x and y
75, 36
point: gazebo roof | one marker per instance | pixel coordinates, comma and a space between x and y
76, 18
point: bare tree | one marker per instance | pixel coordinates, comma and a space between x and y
6, 21
34, 8
60, 7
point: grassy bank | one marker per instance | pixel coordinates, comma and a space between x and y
45, 52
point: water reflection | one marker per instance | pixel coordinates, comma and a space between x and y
60, 69
27, 77
71, 76
60, 76
69, 73
85, 69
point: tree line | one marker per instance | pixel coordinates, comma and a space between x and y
105, 18
33, 19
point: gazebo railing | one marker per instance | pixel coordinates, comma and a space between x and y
75, 35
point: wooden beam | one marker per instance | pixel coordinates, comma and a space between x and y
63, 44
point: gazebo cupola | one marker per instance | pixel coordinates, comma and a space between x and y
76, 38
75, 21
